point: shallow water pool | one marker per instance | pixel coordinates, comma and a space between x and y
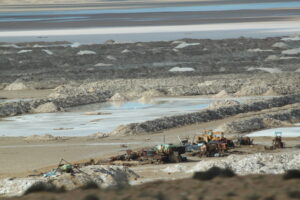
102, 117
286, 132
84, 120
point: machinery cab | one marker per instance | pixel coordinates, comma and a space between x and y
214, 135
278, 134
277, 141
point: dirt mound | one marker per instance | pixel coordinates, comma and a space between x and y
118, 97
291, 51
147, 96
129, 129
272, 58
145, 100
103, 176
222, 94
109, 42
17, 86
99, 135
46, 108
276, 163
249, 90
182, 69
280, 45
152, 93
86, 52
60, 91
270, 92
45, 137
223, 103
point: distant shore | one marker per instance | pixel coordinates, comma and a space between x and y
126, 21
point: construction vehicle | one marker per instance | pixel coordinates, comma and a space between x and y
217, 136
169, 153
215, 142
208, 135
244, 140
163, 153
277, 141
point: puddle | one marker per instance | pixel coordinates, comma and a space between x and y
286, 132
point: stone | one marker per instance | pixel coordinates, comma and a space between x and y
280, 45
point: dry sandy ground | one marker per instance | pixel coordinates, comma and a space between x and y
24, 94
266, 187
19, 157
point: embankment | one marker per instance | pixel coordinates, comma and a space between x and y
281, 117
22, 107
206, 115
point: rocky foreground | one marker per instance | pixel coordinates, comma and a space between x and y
241, 188
103, 176
258, 163
256, 182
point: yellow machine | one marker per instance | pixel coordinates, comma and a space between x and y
209, 135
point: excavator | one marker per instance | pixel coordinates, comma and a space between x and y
277, 142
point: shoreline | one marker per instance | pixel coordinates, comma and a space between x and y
152, 33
